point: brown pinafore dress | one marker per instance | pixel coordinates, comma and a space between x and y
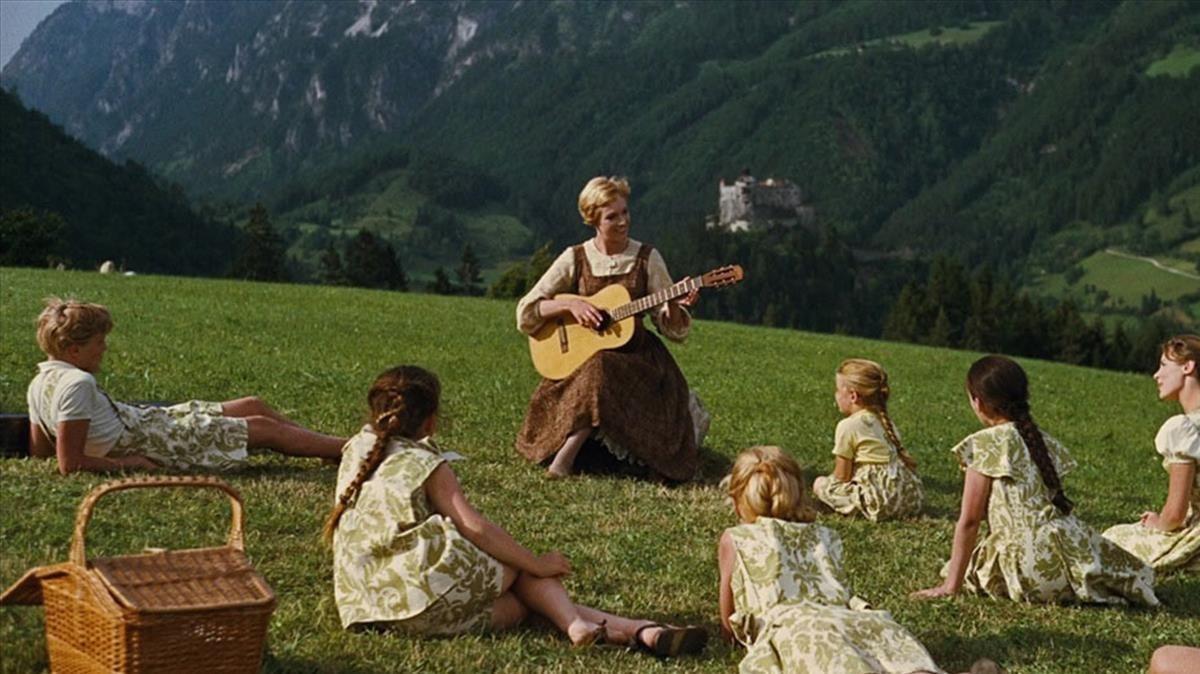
635, 396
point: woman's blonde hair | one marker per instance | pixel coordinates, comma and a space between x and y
64, 323
599, 192
1182, 348
400, 400
766, 482
870, 381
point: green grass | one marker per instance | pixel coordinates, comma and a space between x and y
950, 35
1178, 63
1125, 279
637, 548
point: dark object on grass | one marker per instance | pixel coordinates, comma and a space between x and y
14, 435
672, 641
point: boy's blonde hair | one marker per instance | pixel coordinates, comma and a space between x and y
870, 381
1182, 348
766, 482
599, 192
68, 322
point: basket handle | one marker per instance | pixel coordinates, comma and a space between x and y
84, 515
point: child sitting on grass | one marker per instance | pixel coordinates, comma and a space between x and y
411, 554
73, 419
873, 475
1035, 549
1170, 538
782, 591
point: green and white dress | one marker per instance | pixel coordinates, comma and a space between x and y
1032, 552
794, 613
882, 487
398, 564
1178, 442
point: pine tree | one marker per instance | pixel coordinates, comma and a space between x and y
28, 238
1119, 346
331, 267
903, 323
942, 333
372, 263
262, 255
469, 277
441, 283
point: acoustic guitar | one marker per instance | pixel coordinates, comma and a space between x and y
561, 344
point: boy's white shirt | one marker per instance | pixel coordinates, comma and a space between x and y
63, 392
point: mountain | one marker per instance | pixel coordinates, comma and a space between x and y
225, 95
1022, 136
107, 211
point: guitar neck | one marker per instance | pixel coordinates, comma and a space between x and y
650, 301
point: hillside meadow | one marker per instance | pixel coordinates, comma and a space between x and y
637, 547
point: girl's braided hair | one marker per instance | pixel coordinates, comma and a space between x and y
1002, 387
400, 400
870, 381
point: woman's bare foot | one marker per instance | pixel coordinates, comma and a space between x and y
583, 633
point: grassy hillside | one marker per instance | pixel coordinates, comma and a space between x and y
388, 206
180, 338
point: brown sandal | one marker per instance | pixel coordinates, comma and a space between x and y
672, 641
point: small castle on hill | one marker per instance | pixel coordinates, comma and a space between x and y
752, 204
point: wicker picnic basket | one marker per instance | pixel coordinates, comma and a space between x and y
200, 610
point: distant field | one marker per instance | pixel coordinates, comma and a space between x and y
948, 35
1178, 63
388, 206
636, 547
1124, 279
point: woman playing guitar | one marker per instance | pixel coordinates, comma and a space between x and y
633, 397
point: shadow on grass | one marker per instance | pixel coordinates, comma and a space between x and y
950, 489
271, 663
713, 466
595, 459
1011, 647
1180, 594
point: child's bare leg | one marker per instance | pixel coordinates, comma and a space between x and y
1175, 660
619, 629
547, 597
292, 440
253, 406
507, 610
564, 461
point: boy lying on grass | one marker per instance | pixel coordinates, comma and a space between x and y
73, 419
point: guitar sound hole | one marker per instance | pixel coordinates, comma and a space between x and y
605, 321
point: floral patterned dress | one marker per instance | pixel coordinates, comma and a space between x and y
1178, 441
1033, 552
794, 614
397, 563
879, 489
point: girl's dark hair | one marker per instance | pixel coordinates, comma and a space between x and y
1001, 386
400, 400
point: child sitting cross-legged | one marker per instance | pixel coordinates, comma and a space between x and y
874, 475
73, 419
782, 590
412, 555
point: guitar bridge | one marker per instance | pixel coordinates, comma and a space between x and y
562, 335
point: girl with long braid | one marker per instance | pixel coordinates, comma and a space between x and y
1035, 549
412, 555
874, 475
